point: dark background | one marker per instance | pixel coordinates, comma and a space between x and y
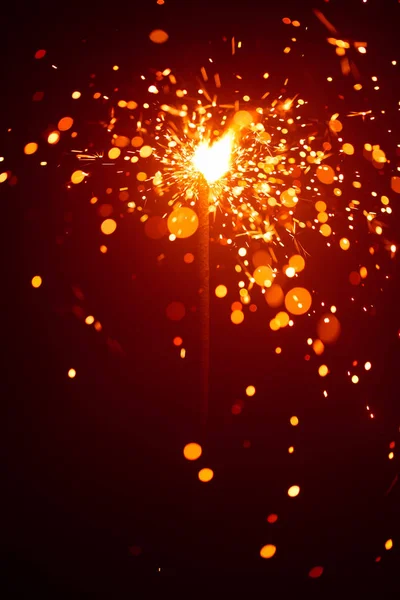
94, 471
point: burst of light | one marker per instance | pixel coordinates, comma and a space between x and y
213, 161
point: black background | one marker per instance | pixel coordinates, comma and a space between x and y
94, 465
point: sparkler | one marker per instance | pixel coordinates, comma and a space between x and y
269, 176
204, 304
266, 176
212, 162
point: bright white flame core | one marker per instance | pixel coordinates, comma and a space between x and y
214, 161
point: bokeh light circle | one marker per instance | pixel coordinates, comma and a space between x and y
237, 317
328, 328
30, 148
205, 475
298, 301
192, 451
183, 222
77, 176
297, 262
221, 291
268, 551
175, 311
315, 572
108, 226
158, 36
274, 295
272, 518
294, 491
263, 276
36, 281
65, 123
325, 174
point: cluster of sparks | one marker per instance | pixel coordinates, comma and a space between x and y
270, 179
274, 176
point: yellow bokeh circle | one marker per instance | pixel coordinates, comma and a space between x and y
298, 301
263, 276
297, 262
268, 551
192, 451
294, 491
237, 317
221, 291
108, 226
183, 222
206, 475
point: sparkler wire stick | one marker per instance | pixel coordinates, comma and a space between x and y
204, 303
